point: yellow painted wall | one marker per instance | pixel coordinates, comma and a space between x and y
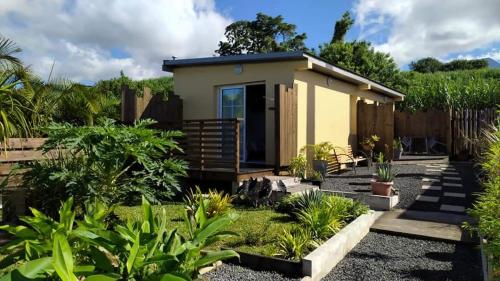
198, 86
325, 112
328, 112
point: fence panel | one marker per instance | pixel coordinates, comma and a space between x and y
212, 144
467, 129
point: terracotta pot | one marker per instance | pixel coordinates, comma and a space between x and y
366, 147
381, 188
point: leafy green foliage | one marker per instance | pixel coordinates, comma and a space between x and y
89, 249
298, 166
429, 64
341, 27
469, 89
292, 244
113, 163
319, 221
320, 151
361, 58
487, 208
265, 34
385, 173
218, 203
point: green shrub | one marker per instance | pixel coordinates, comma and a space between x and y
319, 221
298, 166
113, 163
293, 244
91, 250
320, 151
487, 207
310, 198
288, 204
217, 203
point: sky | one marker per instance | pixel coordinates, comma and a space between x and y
90, 40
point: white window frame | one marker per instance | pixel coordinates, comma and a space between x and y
243, 155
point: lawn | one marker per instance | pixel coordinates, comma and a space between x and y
258, 228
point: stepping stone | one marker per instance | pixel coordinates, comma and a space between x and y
433, 170
451, 173
454, 194
452, 184
452, 208
452, 178
449, 169
431, 187
430, 179
424, 198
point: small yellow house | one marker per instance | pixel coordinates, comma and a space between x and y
288, 98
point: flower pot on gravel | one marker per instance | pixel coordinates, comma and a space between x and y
381, 188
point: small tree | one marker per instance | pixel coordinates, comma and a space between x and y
265, 34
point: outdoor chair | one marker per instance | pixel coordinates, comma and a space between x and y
344, 156
435, 146
407, 143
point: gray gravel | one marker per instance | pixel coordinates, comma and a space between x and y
234, 272
386, 257
380, 257
408, 182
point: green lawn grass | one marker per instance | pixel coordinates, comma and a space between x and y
258, 229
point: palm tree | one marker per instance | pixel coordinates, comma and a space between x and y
13, 105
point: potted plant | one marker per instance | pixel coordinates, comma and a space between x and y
383, 181
321, 152
368, 144
316, 178
397, 145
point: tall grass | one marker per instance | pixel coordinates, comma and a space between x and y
472, 89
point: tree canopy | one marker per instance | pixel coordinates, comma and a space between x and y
430, 64
265, 34
360, 56
341, 27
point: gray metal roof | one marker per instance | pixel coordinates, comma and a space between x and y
339, 72
169, 65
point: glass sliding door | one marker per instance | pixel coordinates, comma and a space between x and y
232, 105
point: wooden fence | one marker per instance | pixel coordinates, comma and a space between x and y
16, 151
376, 119
167, 111
467, 126
458, 130
212, 144
424, 124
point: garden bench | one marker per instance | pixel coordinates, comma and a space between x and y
344, 156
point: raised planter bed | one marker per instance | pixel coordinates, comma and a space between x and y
376, 202
323, 259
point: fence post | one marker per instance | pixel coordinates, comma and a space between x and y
237, 150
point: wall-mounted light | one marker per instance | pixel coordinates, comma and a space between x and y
329, 81
238, 69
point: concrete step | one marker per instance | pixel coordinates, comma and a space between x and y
433, 225
300, 188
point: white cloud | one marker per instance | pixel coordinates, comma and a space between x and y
421, 28
493, 53
80, 34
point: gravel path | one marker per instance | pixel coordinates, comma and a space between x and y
229, 272
380, 257
386, 257
408, 182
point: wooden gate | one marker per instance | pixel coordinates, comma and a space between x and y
376, 119
285, 105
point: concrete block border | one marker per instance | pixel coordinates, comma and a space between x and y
323, 259
487, 270
376, 202
319, 262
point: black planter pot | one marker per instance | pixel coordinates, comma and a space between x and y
320, 166
398, 153
317, 183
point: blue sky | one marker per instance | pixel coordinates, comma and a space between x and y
91, 40
318, 29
